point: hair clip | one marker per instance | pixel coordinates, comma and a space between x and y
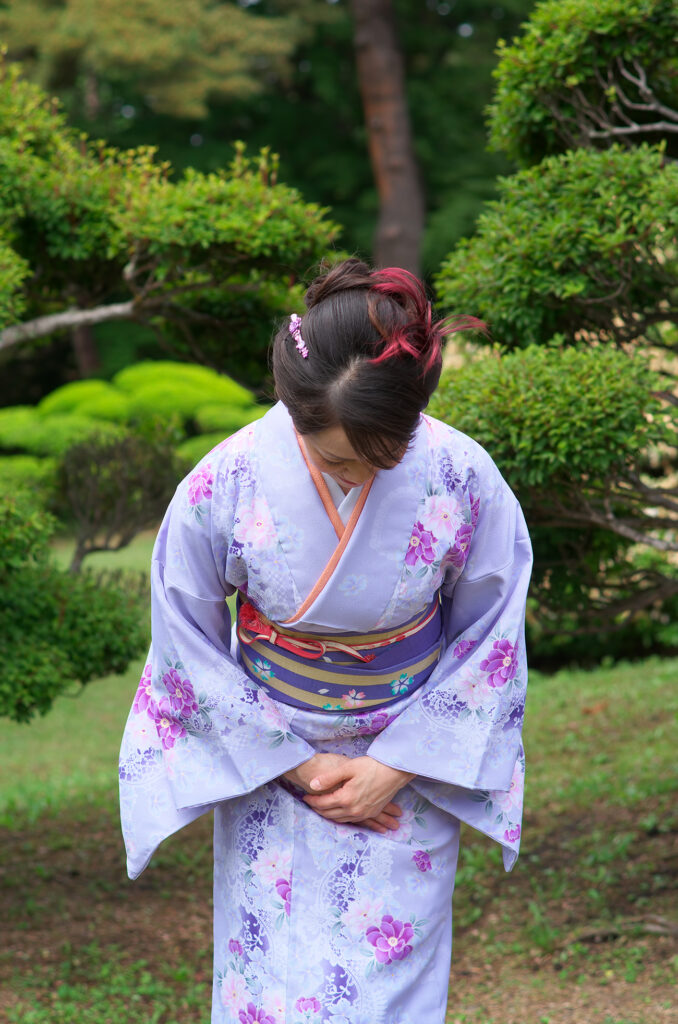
295, 331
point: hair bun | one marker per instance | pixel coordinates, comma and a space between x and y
352, 273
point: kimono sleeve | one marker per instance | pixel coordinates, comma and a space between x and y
199, 730
463, 736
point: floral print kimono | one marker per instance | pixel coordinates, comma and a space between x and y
317, 922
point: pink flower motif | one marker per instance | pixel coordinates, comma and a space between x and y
304, 1005
284, 889
143, 700
200, 485
257, 527
501, 663
422, 860
391, 939
234, 947
169, 730
253, 1016
353, 699
180, 692
440, 514
421, 546
512, 835
463, 648
458, 553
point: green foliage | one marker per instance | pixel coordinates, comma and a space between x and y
94, 398
213, 386
57, 630
212, 418
13, 271
114, 488
98, 227
193, 450
180, 57
22, 429
553, 417
583, 242
571, 429
567, 62
27, 473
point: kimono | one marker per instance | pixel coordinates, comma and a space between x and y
318, 922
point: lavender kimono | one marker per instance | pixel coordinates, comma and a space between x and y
319, 923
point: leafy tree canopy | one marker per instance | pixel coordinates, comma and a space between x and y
587, 74
181, 53
99, 234
583, 244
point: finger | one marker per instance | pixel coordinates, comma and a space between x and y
373, 824
394, 809
331, 779
327, 801
388, 821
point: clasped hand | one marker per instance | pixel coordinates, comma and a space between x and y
357, 790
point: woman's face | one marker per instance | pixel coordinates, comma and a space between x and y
331, 452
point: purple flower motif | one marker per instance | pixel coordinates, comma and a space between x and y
169, 730
284, 889
143, 700
180, 692
501, 664
374, 722
421, 546
462, 648
475, 508
200, 485
253, 1016
449, 476
234, 947
458, 553
422, 860
391, 939
512, 835
303, 1005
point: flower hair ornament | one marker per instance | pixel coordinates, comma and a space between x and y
295, 331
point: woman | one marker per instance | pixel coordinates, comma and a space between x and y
374, 694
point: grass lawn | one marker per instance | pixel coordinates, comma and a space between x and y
583, 931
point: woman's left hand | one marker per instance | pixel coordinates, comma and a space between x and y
365, 790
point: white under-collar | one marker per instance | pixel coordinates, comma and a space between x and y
344, 503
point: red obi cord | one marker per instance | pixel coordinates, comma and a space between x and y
259, 628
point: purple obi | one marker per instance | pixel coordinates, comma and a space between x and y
342, 671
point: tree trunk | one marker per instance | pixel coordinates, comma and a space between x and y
85, 350
381, 77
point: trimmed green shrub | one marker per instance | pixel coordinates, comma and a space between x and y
56, 630
552, 416
213, 386
212, 418
93, 398
27, 473
572, 430
22, 429
195, 448
582, 243
560, 84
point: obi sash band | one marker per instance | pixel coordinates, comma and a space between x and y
339, 672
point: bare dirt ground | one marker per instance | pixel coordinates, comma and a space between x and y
528, 948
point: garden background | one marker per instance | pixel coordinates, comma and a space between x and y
170, 174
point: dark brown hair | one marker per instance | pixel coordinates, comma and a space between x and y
374, 358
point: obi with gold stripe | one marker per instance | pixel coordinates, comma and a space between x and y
342, 671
